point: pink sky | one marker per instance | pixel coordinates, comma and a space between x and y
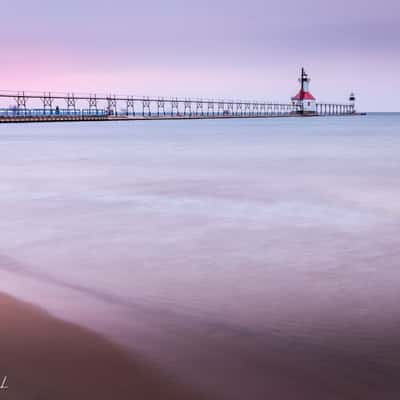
209, 49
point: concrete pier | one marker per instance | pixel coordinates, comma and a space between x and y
19, 107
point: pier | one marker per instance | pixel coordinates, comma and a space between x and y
25, 106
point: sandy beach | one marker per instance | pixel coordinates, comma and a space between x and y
45, 358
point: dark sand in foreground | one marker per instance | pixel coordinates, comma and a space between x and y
45, 358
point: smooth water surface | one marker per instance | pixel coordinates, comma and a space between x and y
247, 258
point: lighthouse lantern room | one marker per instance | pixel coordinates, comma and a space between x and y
304, 100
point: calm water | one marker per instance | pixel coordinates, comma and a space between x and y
247, 258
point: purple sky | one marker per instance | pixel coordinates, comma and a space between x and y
223, 48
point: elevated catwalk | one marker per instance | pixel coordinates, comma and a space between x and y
68, 107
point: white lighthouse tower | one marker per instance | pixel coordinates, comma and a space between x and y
304, 100
352, 101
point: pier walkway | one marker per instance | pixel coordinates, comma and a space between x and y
20, 107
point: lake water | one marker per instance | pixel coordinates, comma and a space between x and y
247, 258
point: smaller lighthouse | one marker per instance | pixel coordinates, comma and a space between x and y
304, 100
352, 101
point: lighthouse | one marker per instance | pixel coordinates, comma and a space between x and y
352, 101
304, 100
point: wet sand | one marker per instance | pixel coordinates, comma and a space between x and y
45, 358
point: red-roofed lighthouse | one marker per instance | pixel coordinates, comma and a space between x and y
304, 100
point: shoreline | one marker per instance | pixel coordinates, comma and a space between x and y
46, 358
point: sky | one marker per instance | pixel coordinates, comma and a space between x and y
215, 49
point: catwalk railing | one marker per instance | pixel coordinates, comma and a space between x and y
25, 105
